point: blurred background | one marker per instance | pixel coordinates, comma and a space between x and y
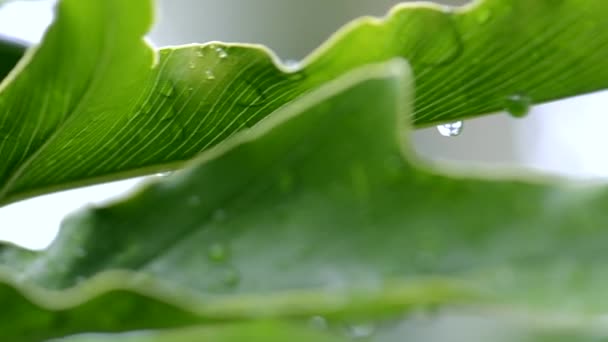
565, 137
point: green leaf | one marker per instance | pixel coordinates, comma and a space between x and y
115, 109
323, 210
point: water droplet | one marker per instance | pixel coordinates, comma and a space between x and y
451, 129
193, 201
167, 113
146, 107
360, 181
221, 53
518, 105
361, 330
163, 174
217, 252
167, 89
318, 322
80, 253
20, 278
483, 16
219, 215
191, 65
285, 182
210, 75
231, 277
133, 115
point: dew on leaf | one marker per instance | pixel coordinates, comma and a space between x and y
209, 74
231, 277
167, 114
194, 200
191, 65
483, 16
451, 129
219, 215
318, 322
285, 182
133, 115
167, 89
361, 331
221, 53
80, 252
518, 105
217, 252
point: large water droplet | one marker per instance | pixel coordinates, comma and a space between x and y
451, 129
217, 252
209, 74
518, 105
167, 89
318, 322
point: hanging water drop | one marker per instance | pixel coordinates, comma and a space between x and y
451, 129
217, 252
210, 75
518, 105
291, 64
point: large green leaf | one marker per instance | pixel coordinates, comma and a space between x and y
322, 210
112, 108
